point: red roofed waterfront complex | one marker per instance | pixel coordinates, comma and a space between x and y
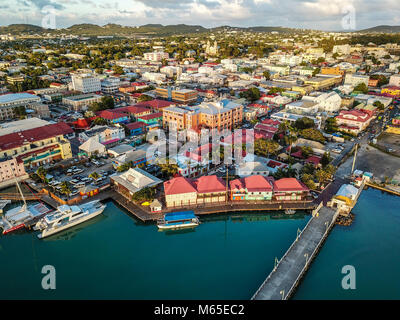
38, 146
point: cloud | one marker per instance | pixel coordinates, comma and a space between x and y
315, 14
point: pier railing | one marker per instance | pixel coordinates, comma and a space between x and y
309, 260
286, 253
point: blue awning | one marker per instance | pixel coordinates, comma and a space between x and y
181, 215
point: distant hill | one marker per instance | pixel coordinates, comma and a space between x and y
87, 29
382, 29
21, 28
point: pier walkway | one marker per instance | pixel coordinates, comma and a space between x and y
284, 278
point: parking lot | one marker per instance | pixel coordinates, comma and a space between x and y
78, 176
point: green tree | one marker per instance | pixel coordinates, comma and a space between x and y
66, 188
361, 87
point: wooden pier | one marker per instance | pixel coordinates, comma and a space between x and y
382, 188
286, 275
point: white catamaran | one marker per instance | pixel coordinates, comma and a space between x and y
68, 216
19, 217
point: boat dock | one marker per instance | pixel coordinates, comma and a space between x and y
286, 275
288, 272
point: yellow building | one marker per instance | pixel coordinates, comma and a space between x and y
179, 95
303, 89
37, 146
393, 129
393, 91
332, 70
319, 83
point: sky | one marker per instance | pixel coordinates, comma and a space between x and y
330, 15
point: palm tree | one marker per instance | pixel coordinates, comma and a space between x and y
41, 172
66, 188
94, 175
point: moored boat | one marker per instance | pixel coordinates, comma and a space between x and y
67, 216
178, 220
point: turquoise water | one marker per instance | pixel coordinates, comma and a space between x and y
115, 257
371, 244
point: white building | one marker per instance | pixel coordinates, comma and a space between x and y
395, 80
327, 102
110, 85
85, 82
156, 56
342, 49
356, 79
154, 77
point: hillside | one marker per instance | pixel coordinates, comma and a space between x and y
86, 29
382, 29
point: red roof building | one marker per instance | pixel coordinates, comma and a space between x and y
209, 184
182, 191
254, 187
156, 104
290, 189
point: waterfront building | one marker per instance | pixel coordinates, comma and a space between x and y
132, 181
11, 170
255, 187
210, 189
37, 146
181, 191
290, 189
345, 198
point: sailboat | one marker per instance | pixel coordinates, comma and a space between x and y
19, 217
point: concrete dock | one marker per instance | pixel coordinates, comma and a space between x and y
284, 278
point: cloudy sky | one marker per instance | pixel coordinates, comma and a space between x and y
316, 14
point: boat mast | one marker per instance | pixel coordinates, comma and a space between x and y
20, 191
354, 159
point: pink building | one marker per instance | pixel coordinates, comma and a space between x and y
9, 169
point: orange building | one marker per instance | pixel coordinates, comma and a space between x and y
332, 70
213, 115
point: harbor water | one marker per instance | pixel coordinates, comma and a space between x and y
115, 257
226, 257
371, 245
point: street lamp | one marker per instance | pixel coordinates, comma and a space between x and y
276, 263
282, 292
298, 234
306, 256
327, 224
